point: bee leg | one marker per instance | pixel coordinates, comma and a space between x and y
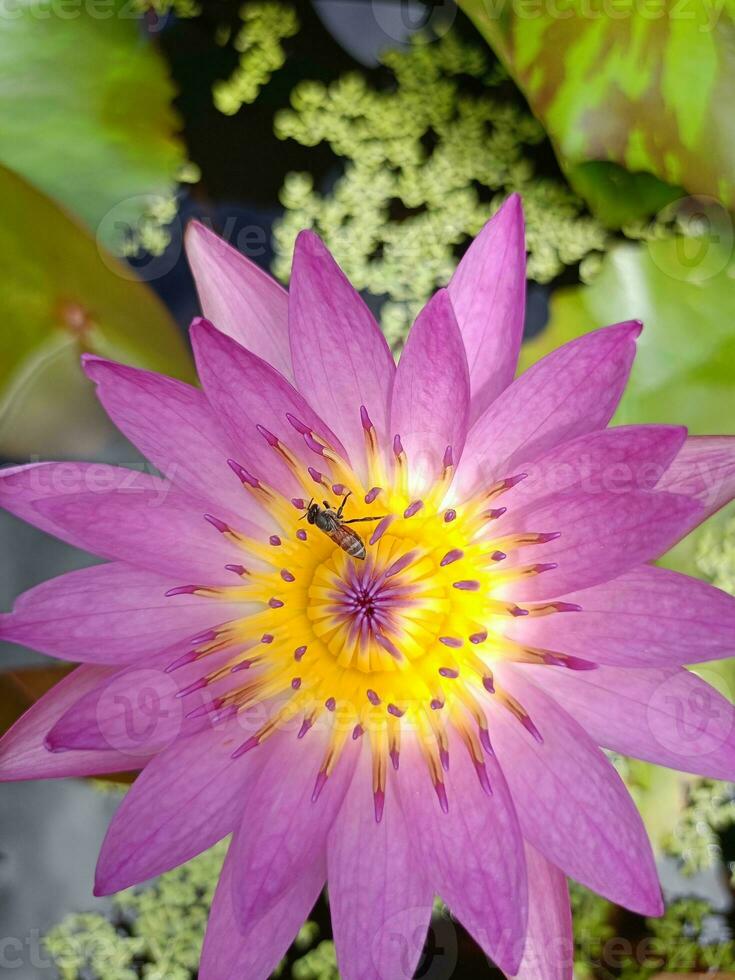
342, 506
358, 520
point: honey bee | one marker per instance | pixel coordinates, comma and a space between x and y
329, 520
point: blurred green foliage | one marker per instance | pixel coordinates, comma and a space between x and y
660, 794
86, 116
63, 295
647, 87
428, 158
716, 557
684, 292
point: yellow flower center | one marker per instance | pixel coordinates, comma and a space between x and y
374, 610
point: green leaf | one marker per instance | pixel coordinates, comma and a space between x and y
85, 110
63, 295
648, 88
684, 292
617, 197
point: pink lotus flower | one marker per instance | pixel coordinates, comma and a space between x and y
421, 721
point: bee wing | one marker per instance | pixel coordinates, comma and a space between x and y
348, 540
342, 535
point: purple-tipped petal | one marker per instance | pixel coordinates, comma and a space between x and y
617, 460
488, 292
431, 392
108, 614
252, 950
152, 526
23, 753
121, 514
23, 489
573, 390
572, 805
341, 359
648, 617
173, 425
283, 829
665, 715
549, 950
379, 899
188, 798
239, 297
705, 471
248, 393
470, 848
602, 535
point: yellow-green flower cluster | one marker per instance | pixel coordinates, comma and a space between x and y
427, 160
157, 932
92, 943
260, 43
710, 811
682, 941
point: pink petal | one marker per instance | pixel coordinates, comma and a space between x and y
23, 754
187, 798
488, 292
134, 711
234, 951
472, 856
283, 830
173, 425
431, 392
109, 614
150, 525
601, 535
665, 715
140, 709
572, 805
549, 951
341, 359
23, 488
245, 302
617, 460
704, 470
573, 390
648, 617
247, 392
379, 900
